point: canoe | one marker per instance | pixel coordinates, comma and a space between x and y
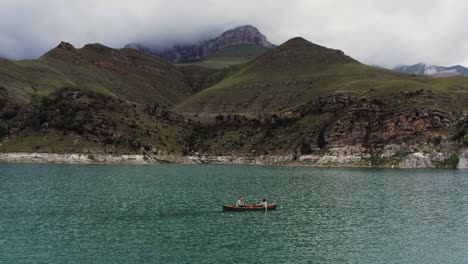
248, 207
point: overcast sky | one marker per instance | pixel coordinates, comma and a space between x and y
380, 32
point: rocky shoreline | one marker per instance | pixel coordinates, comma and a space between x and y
82, 158
413, 160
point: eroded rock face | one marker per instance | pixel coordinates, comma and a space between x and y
345, 129
329, 103
356, 125
422, 122
369, 122
413, 138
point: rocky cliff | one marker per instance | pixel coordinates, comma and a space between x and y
339, 130
244, 35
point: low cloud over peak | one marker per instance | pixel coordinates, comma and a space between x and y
375, 32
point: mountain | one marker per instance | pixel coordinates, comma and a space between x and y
299, 103
299, 71
324, 107
433, 70
90, 100
286, 76
126, 73
247, 36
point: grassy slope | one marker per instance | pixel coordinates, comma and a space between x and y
230, 56
126, 73
299, 71
200, 77
217, 66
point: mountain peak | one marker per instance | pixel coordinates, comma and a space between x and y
66, 46
307, 52
65, 52
242, 35
97, 47
245, 28
297, 41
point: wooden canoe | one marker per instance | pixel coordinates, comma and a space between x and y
248, 207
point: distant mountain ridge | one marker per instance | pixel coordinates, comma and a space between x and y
433, 70
244, 35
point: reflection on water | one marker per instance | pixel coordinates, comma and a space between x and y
173, 214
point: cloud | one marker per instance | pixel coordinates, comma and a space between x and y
386, 32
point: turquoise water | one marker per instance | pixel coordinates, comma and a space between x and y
172, 214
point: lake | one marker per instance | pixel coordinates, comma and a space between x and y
57, 213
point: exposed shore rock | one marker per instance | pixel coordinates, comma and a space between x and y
91, 158
424, 160
235, 159
417, 160
347, 157
463, 159
338, 156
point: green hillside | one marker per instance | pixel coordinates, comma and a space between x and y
233, 55
230, 56
94, 99
295, 100
126, 73
299, 71
200, 77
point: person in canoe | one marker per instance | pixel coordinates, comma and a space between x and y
263, 202
240, 202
